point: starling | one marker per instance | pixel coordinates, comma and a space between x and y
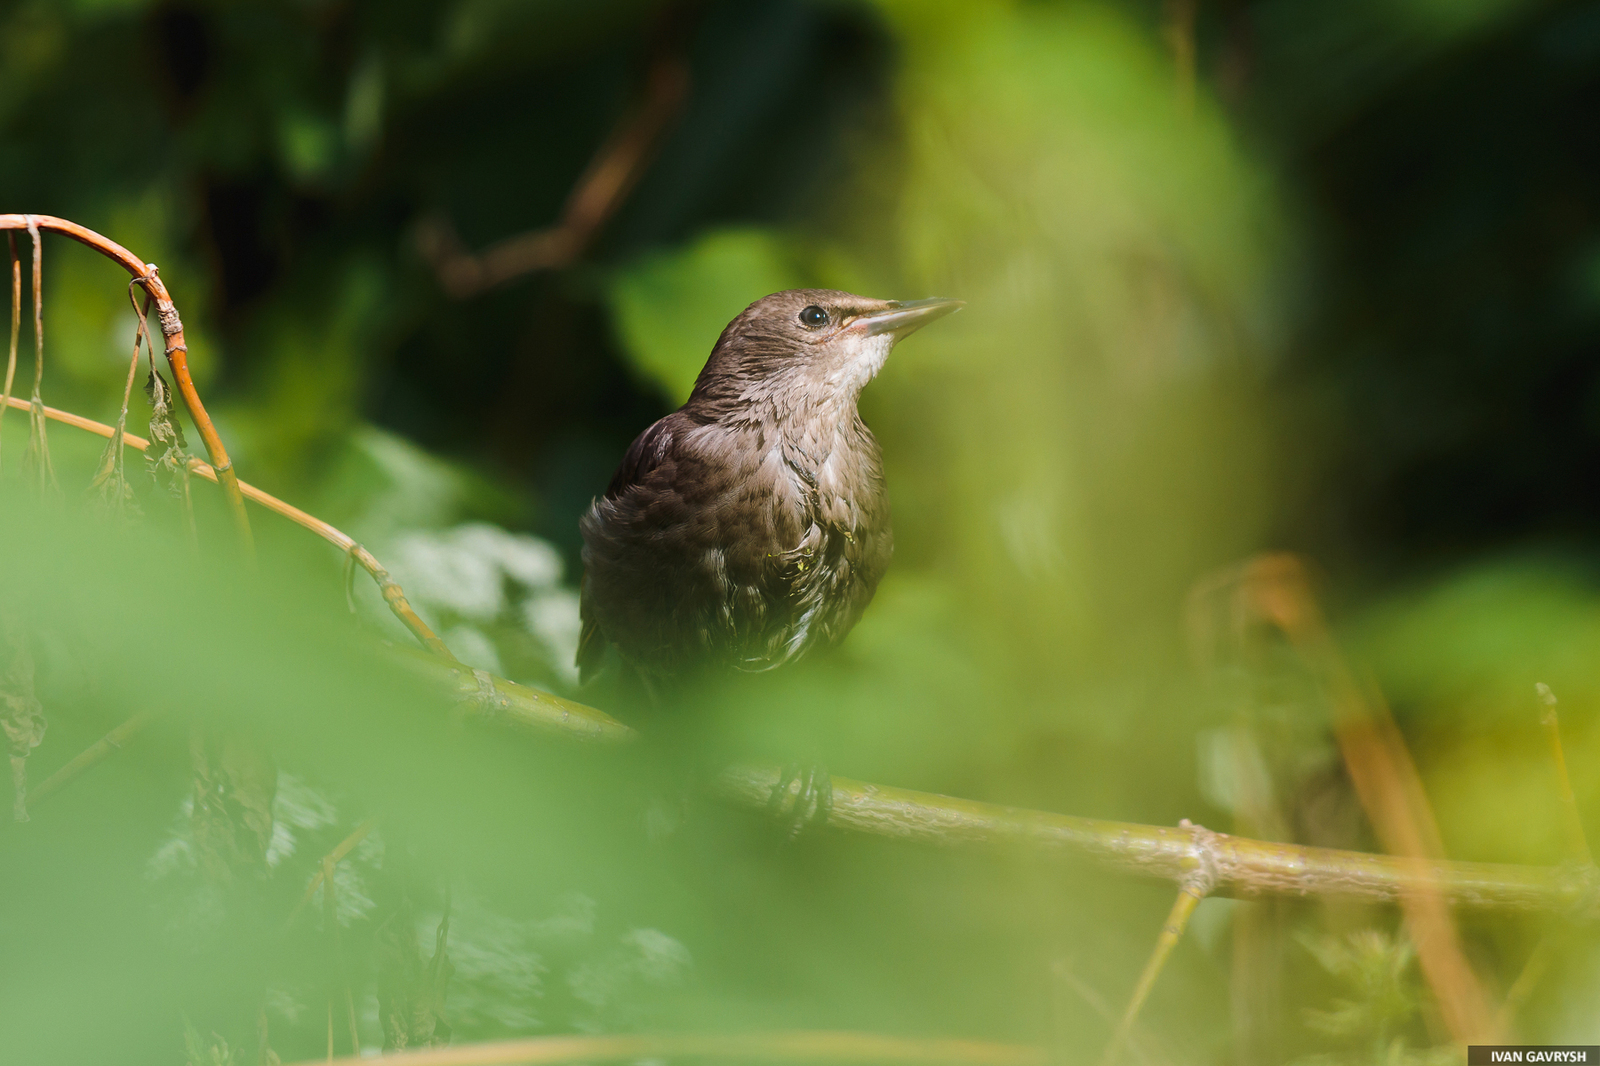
751, 525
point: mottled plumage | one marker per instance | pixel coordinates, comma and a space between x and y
750, 525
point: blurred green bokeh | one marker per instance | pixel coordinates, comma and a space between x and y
1337, 296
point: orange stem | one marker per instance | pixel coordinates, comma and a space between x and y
176, 350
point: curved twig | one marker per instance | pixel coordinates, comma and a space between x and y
599, 192
177, 351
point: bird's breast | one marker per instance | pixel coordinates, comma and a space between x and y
836, 472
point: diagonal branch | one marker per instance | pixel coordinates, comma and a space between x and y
329, 861
600, 191
91, 755
1243, 868
393, 594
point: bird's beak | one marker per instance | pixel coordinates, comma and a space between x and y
904, 319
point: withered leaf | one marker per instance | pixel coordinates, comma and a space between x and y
168, 458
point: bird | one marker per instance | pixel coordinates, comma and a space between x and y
751, 525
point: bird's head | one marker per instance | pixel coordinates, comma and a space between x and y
805, 348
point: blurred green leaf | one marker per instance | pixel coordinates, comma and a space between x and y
671, 306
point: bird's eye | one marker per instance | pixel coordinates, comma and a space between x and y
813, 316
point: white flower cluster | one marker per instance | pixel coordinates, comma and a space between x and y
472, 581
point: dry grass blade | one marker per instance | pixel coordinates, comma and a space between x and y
748, 1047
1065, 1040
37, 457
1171, 933
1544, 952
1577, 839
112, 741
1533, 972
341, 989
1191, 891
111, 476
16, 322
333, 858
1276, 588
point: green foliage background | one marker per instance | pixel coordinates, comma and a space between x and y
1346, 301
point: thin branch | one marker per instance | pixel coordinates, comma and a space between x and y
38, 307
599, 192
341, 982
333, 858
112, 741
496, 700
1544, 951
1066, 1041
1577, 840
1533, 971
111, 477
176, 350
1171, 932
760, 1047
1191, 890
393, 594
1276, 588
1244, 868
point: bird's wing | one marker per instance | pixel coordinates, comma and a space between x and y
644, 455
